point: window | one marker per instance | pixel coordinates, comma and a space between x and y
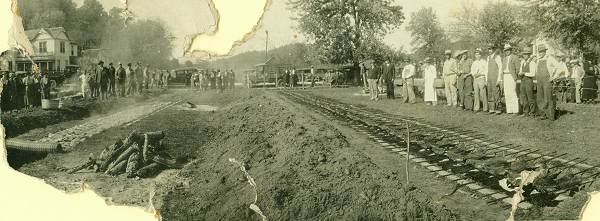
72, 50
42, 47
62, 47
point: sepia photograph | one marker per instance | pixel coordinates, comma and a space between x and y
301, 109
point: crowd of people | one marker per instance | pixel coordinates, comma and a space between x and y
213, 79
24, 90
103, 82
500, 81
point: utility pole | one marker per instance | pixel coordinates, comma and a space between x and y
266, 59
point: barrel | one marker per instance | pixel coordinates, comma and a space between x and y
48, 104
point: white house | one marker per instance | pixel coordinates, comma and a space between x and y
54, 51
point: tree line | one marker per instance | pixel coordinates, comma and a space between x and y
351, 31
91, 27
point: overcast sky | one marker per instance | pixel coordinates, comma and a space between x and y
185, 17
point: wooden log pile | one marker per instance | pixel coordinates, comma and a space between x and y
138, 155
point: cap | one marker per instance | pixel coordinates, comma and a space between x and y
478, 50
527, 50
542, 48
448, 52
507, 47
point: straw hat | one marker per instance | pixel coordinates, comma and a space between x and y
542, 48
527, 50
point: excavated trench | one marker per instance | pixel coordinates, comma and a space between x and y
465, 158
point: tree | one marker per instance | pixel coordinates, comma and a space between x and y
429, 39
575, 23
85, 25
47, 13
342, 28
188, 63
145, 41
91, 20
497, 23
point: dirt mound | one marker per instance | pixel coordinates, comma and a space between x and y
303, 169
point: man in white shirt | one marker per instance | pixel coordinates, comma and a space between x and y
577, 74
408, 73
527, 74
479, 73
449, 72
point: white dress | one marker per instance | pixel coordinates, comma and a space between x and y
429, 75
84, 83
510, 94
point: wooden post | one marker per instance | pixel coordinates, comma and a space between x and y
407, 153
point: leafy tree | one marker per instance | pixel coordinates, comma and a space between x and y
341, 29
91, 20
497, 23
575, 23
429, 39
47, 13
85, 25
145, 41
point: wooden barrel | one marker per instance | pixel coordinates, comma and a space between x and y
48, 104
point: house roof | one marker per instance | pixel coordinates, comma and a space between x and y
54, 32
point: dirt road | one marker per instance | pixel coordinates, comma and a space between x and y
306, 167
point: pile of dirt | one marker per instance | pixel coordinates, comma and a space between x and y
20, 121
303, 169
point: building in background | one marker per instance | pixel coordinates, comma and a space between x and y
54, 52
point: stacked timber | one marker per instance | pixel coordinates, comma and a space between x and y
138, 155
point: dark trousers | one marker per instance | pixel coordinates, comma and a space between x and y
526, 96
466, 95
545, 98
460, 84
389, 84
494, 96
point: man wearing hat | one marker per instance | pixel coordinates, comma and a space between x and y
389, 72
494, 78
527, 74
464, 82
408, 73
120, 78
449, 72
100, 79
112, 71
577, 74
546, 66
478, 73
373, 76
510, 69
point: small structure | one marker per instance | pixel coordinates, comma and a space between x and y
268, 74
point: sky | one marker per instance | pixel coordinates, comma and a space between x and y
187, 17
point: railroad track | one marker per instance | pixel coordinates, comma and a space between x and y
448, 152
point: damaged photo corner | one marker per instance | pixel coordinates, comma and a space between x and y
285, 54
